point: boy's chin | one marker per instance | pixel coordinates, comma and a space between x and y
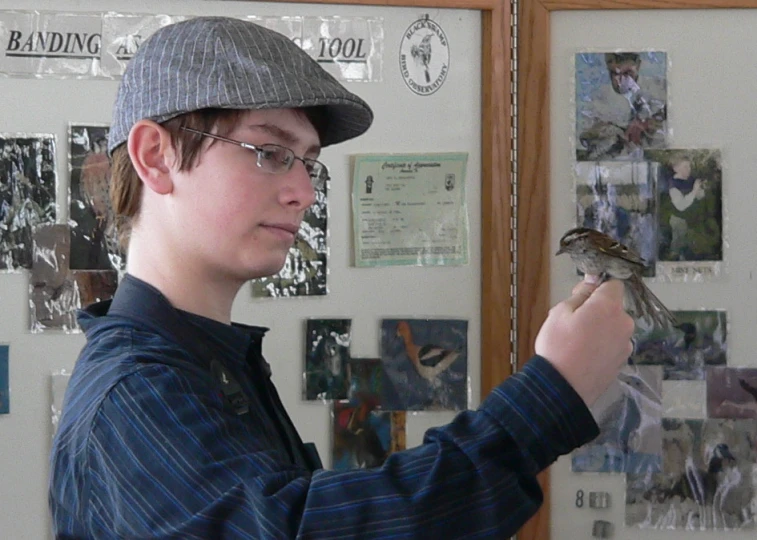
266, 271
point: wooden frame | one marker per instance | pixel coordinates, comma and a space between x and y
534, 156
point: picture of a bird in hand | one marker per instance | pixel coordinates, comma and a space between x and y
422, 54
425, 363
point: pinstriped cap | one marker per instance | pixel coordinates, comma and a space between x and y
220, 62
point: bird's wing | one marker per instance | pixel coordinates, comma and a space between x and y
430, 355
446, 362
614, 248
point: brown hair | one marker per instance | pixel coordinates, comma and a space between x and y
125, 184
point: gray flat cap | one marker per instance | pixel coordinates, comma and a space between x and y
227, 63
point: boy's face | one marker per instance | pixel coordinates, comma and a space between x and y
232, 218
682, 168
623, 74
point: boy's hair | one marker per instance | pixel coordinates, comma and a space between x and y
620, 58
125, 184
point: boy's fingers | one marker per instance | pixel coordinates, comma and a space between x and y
588, 278
613, 290
581, 293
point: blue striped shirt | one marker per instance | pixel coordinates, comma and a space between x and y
149, 447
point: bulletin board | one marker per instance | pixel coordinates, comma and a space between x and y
475, 99
708, 107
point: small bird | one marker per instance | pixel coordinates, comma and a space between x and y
596, 253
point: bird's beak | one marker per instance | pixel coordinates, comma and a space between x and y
560, 251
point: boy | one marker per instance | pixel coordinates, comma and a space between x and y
172, 427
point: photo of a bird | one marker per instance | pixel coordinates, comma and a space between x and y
424, 364
701, 485
429, 360
596, 253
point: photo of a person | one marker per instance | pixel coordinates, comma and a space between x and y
621, 104
619, 199
690, 213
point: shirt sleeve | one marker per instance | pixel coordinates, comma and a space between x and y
167, 461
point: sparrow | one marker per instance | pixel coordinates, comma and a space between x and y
596, 253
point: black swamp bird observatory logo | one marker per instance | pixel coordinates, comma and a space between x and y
424, 57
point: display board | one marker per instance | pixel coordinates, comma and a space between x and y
676, 453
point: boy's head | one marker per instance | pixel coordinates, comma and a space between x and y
681, 165
623, 69
203, 74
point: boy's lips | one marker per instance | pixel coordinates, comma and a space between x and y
284, 230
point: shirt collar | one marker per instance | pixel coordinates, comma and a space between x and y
142, 303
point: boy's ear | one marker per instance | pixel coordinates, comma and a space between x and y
153, 155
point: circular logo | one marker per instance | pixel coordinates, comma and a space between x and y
424, 57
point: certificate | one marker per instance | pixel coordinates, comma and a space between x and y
409, 209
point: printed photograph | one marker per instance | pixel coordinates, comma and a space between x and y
707, 482
618, 198
53, 297
698, 341
363, 437
621, 104
327, 359
304, 272
629, 416
690, 217
5, 397
27, 195
425, 363
94, 240
732, 392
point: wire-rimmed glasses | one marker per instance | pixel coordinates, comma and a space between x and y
276, 159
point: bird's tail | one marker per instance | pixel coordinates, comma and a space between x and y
642, 303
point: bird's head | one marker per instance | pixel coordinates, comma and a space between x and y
720, 454
722, 451
403, 329
573, 241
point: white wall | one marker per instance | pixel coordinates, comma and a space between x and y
447, 121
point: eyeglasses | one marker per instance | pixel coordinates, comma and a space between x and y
276, 159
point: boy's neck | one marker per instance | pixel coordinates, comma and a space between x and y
183, 286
